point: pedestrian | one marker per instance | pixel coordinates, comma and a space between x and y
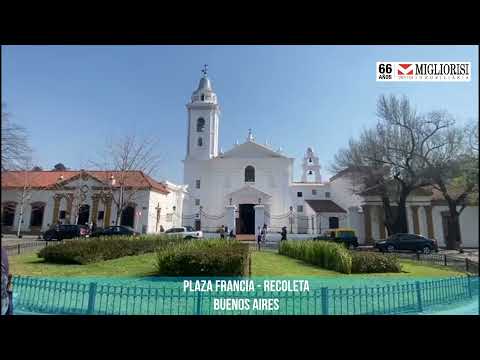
231, 235
284, 233
264, 233
6, 289
222, 232
259, 237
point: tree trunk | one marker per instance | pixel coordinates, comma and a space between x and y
396, 223
453, 228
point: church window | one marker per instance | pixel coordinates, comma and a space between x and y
249, 174
314, 191
197, 184
200, 142
200, 124
197, 202
310, 172
327, 194
310, 160
203, 97
299, 194
299, 208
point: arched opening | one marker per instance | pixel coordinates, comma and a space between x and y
200, 142
128, 216
249, 174
36, 215
83, 214
8, 213
333, 222
200, 124
203, 97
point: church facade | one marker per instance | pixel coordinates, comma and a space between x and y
252, 184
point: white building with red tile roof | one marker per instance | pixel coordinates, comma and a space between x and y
88, 196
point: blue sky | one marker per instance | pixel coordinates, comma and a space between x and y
73, 99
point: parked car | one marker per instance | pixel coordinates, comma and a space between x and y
344, 236
408, 242
187, 232
60, 232
115, 230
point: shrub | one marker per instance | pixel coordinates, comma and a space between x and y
369, 262
85, 251
204, 257
328, 255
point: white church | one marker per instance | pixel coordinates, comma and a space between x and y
252, 184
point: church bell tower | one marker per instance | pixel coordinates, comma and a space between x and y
311, 167
203, 121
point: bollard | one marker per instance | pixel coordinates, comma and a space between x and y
445, 260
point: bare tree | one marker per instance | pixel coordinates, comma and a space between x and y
124, 157
453, 170
390, 156
15, 147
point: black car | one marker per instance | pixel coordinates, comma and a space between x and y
407, 242
60, 232
345, 236
114, 230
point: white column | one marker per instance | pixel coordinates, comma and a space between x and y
259, 217
230, 218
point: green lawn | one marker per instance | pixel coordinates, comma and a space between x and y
271, 264
264, 263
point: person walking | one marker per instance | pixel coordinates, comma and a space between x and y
264, 234
6, 289
231, 235
259, 238
222, 232
284, 233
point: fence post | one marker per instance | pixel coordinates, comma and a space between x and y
469, 286
198, 307
18, 249
92, 293
324, 301
249, 265
445, 260
419, 297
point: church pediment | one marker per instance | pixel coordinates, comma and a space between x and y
251, 149
248, 195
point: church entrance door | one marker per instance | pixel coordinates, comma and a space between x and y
246, 219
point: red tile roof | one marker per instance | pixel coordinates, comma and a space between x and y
49, 179
321, 206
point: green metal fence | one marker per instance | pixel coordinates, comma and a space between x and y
65, 297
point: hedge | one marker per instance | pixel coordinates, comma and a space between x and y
370, 262
204, 258
326, 254
85, 251
334, 256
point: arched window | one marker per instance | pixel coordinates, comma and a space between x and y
200, 124
8, 213
36, 216
200, 142
203, 97
249, 174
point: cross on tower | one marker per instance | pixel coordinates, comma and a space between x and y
205, 69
